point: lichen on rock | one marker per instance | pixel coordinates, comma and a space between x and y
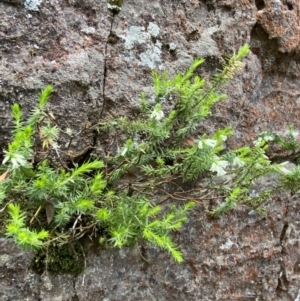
32, 4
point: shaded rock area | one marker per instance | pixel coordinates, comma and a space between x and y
99, 62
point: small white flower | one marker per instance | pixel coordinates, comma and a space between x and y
124, 151
265, 157
264, 137
157, 113
268, 138
238, 162
295, 134
223, 137
257, 142
16, 160
113, 7
6, 158
210, 142
219, 166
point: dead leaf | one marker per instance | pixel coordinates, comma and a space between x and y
51, 115
50, 211
4, 176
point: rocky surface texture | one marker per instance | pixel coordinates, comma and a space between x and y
99, 61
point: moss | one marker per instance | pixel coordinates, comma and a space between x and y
66, 259
193, 36
75, 298
210, 4
112, 38
3, 221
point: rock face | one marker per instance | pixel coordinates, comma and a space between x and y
99, 62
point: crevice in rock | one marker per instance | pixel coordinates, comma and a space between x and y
85, 155
267, 50
282, 235
75, 296
297, 267
260, 4
185, 10
283, 283
284, 229
210, 4
291, 156
13, 2
288, 4
105, 63
282, 286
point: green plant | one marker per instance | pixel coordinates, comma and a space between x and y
155, 158
23, 236
81, 195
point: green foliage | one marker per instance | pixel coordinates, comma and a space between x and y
23, 236
39, 113
80, 197
233, 65
292, 180
130, 194
287, 141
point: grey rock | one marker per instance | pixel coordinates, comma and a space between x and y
241, 256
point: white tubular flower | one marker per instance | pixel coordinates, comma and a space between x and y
259, 141
17, 160
219, 166
124, 151
223, 137
238, 162
268, 138
264, 137
295, 134
210, 142
157, 113
6, 158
